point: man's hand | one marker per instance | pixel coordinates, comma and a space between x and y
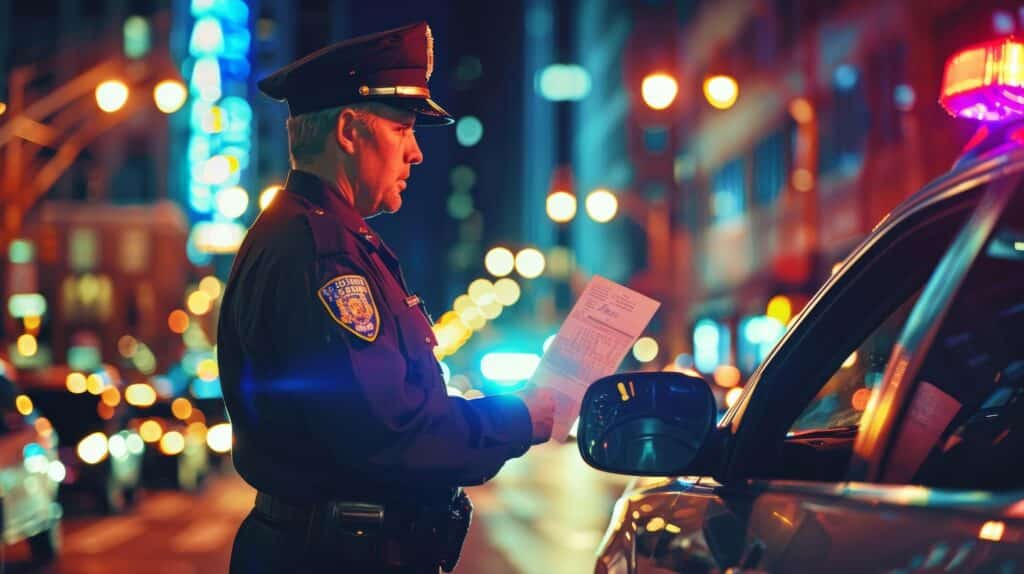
541, 405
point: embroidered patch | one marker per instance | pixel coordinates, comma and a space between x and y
350, 302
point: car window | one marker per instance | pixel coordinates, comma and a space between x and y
964, 426
842, 399
798, 420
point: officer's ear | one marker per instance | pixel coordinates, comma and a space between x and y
348, 127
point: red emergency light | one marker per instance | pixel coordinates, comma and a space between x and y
985, 82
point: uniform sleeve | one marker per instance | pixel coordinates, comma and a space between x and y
365, 402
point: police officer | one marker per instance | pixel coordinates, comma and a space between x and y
340, 414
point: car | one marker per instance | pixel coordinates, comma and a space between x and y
884, 432
175, 431
102, 457
30, 473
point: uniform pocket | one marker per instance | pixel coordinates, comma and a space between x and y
415, 332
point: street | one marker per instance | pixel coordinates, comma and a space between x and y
543, 513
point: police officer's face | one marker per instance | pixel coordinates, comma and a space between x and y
385, 152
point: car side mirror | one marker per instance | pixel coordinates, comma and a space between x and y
646, 423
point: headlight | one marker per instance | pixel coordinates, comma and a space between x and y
93, 448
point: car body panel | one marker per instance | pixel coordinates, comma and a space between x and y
699, 525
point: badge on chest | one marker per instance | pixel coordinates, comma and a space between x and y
350, 303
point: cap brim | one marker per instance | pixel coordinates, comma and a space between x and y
428, 112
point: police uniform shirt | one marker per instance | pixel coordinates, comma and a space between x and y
328, 370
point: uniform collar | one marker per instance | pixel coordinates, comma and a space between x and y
329, 200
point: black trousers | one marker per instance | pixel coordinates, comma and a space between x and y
264, 548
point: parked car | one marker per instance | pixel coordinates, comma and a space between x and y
102, 457
175, 431
30, 473
883, 433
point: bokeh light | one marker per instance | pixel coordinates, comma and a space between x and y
721, 91
645, 349
127, 345
469, 131
111, 95
561, 206
602, 205
75, 383
801, 110
181, 408
530, 263
727, 376
207, 370
210, 285
178, 321
151, 430
507, 291
172, 443
23, 404
481, 291
169, 96
499, 261
232, 202
95, 384
780, 308
659, 90
27, 345
199, 303
140, 395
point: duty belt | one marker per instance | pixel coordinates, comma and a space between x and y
370, 533
282, 512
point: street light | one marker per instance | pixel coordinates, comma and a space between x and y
721, 91
602, 205
499, 261
530, 263
169, 96
111, 95
561, 206
659, 90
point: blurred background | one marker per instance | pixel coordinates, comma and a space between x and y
721, 157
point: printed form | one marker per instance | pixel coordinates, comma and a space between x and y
597, 334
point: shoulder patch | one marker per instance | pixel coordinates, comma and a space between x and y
349, 301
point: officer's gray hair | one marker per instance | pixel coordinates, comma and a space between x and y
308, 134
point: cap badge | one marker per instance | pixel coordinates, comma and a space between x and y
430, 53
349, 301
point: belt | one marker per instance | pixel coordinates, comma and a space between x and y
286, 513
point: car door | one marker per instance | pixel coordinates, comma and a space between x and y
936, 453
789, 440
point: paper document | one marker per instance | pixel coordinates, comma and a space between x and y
597, 334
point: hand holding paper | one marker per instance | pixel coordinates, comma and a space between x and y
591, 343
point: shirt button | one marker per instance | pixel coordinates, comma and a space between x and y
426, 339
318, 211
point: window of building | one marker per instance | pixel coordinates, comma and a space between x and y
773, 161
845, 124
729, 192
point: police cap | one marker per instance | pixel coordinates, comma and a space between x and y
390, 67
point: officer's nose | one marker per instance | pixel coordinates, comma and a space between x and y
414, 155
